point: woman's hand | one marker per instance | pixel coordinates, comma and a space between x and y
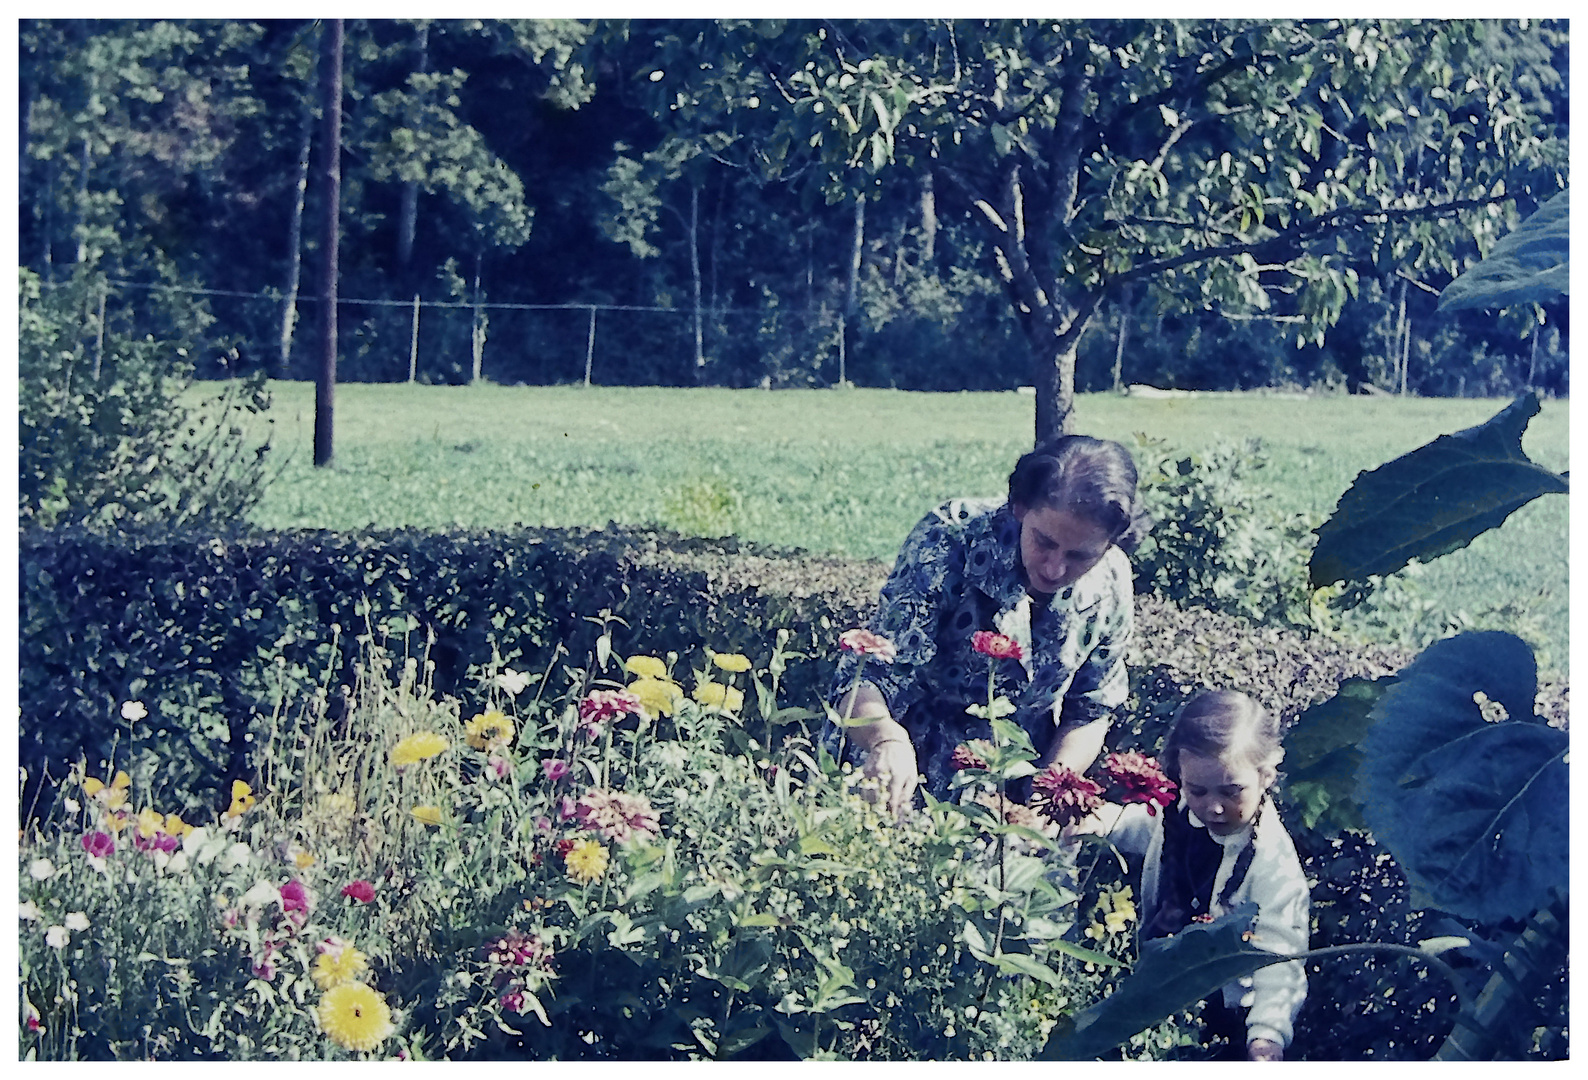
1264, 1050
891, 762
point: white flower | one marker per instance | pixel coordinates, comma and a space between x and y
261, 894
511, 681
30, 911
96, 862
178, 861
56, 937
41, 869
76, 920
71, 804
195, 839
237, 855
133, 710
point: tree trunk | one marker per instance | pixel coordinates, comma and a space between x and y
1054, 375
289, 306
331, 169
1119, 342
477, 336
408, 212
694, 274
928, 221
82, 206
852, 288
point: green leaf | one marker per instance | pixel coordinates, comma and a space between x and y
1432, 500
1529, 266
1474, 810
1323, 752
1175, 975
1021, 964
1080, 952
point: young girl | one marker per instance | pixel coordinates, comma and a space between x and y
1220, 845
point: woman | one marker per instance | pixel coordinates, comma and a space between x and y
1046, 568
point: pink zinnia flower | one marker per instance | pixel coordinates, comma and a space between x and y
567, 808
98, 844
866, 643
543, 824
554, 768
996, 646
600, 707
1138, 778
500, 766
518, 949
617, 815
970, 755
360, 890
513, 1002
295, 901
1064, 795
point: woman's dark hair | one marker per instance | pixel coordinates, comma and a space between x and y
1095, 478
1216, 723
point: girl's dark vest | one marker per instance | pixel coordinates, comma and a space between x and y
1187, 865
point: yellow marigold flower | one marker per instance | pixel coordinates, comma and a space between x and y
489, 729
341, 966
92, 786
149, 823
355, 1016
417, 747
731, 661
718, 696
302, 860
429, 815
586, 861
114, 796
116, 820
659, 697
175, 826
242, 799
646, 666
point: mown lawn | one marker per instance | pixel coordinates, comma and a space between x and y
845, 472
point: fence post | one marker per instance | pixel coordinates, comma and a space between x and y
413, 344
589, 347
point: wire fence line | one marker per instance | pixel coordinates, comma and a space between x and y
473, 337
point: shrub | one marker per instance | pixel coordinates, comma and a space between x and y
105, 440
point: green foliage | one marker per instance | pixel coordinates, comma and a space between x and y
1529, 266
1466, 783
1172, 976
763, 912
1433, 500
1215, 541
107, 439
1322, 753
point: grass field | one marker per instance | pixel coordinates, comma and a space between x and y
845, 472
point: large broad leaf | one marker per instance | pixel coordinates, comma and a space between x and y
1529, 266
1185, 969
1322, 752
1432, 500
1473, 808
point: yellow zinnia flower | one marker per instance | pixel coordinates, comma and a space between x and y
355, 1016
302, 859
242, 799
489, 729
114, 796
659, 697
731, 661
718, 696
647, 666
335, 968
175, 826
417, 747
429, 815
586, 861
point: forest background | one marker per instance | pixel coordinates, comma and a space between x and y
538, 188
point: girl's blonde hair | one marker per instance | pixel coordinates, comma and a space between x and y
1222, 723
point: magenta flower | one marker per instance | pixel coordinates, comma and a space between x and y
1136, 778
359, 890
295, 901
867, 643
98, 844
996, 646
554, 768
513, 1002
1063, 795
500, 766
617, 815
971, 755
518, 949
566, 808
600, 707
543, 824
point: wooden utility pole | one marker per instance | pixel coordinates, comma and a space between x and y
331, 164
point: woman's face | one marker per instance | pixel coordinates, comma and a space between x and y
1223, 792
1058, 546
